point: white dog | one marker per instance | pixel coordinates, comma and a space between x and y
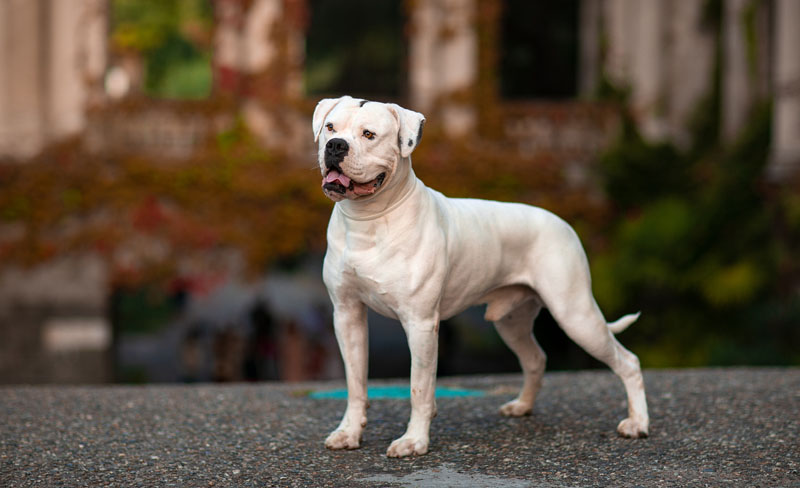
412, 254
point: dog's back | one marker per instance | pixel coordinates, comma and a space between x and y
494, 244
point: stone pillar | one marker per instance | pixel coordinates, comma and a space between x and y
736, 100
690, 65
786, 91
22, 106
253, 37
228, 56
745, 58
590, 40
66, 98
618, 24
92, 53
258, 60
636, 57
76, 63
443, 58
649, 59
52, 60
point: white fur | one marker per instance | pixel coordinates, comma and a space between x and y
410, 253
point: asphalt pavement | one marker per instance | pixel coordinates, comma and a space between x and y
712, 427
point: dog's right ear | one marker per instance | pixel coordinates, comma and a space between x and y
324, 107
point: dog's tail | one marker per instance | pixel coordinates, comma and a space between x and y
623, 323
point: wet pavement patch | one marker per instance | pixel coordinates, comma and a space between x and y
449, 475
394, 392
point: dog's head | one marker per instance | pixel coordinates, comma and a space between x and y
361, 144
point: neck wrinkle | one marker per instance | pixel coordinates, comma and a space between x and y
405, 182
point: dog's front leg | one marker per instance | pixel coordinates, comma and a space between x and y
350, 324
423, 343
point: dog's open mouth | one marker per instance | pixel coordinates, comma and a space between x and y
340, 183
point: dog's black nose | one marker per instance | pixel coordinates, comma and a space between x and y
336, 148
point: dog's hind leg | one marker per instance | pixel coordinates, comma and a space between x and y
583, 322
516, 329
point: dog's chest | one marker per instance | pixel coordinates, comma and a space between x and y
376, 280
369, 258
377, 260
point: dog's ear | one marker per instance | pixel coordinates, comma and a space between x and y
324, 107
411, 124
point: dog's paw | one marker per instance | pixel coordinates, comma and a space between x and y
407, 446
632, 428
516, 408
341, 439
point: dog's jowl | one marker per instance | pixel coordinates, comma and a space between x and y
410, 253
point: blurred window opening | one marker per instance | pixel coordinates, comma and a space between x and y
356, 47
162, 47
540, 49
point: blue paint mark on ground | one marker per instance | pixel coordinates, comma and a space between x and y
394, 392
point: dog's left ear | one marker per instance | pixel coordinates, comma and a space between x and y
324, 107
411, 124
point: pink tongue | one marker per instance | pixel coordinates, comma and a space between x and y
335, 176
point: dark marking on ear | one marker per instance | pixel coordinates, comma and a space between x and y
419, 133
363, 102
410, 143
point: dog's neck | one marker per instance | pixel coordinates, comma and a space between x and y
399, 187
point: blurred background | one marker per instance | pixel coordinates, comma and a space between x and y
160, 211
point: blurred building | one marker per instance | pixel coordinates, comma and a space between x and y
466, 62
531, 77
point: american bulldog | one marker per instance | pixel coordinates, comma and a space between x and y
412, 254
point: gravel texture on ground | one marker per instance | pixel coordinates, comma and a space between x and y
712, 427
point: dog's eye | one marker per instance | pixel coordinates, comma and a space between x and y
329, 126
369, 134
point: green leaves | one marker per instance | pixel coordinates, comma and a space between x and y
699, 250
173, 40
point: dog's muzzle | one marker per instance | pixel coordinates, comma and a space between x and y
335, 181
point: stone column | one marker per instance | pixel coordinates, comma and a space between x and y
590, 40
618, 24
253, 37
649, 59
735, 90
745, 54
258, 60
443, 58
66, 95
786, 91
52, 60
228, 56
636, 58
93, 50
690, 66
22, 64
76, 62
